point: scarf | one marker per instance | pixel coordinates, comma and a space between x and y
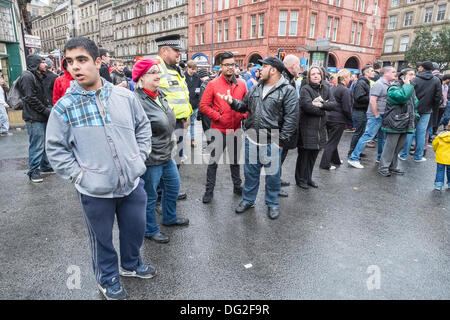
151, 94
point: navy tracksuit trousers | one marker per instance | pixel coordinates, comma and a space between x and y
99, 216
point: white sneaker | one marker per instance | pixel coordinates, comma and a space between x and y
421, 160
332, 168
355, 164
403, 159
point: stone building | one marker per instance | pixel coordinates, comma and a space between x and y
106, 39
253, 29
406, 16
138, 23
38, 8
44, 27
88, 20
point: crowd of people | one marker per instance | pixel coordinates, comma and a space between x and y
111, 131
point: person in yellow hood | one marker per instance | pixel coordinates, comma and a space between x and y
441, 146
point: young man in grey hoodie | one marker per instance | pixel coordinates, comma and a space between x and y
99, 137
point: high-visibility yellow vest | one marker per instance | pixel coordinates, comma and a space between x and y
176, 90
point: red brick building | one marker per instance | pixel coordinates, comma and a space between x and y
253, 29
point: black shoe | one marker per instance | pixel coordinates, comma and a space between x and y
48, 171
207, 197
179, 222
159, 237
244, 206
313, 184
384, 173
303, 185
273, 212
182, 196
285, 183
283, 194
398, 171
363, 155
35, 176
237, 190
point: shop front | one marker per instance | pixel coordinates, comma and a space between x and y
10, 62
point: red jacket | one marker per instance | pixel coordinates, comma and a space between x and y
219, 111
62, 83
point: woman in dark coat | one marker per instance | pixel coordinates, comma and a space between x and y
161, 169
336, 120
315, 99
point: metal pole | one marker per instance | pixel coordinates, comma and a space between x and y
212, 35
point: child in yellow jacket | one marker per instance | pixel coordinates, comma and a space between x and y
441, 146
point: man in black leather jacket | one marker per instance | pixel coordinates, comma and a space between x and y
272, 119
35, 114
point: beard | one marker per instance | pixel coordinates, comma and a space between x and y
262, 81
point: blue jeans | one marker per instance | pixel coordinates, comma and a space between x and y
4, 120
99, 215
440, 175
261, 156
37, 158
372, 129
193, 117
419, 135
166, 176
359, 120
446, 116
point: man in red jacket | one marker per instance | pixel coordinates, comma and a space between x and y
224, 120
62, 83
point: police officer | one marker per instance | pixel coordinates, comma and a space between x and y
174, 86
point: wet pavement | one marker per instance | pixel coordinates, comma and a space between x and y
359, 236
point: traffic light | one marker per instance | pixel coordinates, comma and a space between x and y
281, 54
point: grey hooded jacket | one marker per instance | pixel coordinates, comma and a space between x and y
99, 139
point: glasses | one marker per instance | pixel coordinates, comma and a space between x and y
154, 70
228, 65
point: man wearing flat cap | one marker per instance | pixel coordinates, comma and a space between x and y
273, 112
429, 92
174, 86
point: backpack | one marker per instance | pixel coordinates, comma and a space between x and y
15, 96
401, 117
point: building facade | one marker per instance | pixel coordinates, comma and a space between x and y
44, 27
404, 18
88, 20
38, 8
106, 34
66, 22
253, 29
12, 58
138, 23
